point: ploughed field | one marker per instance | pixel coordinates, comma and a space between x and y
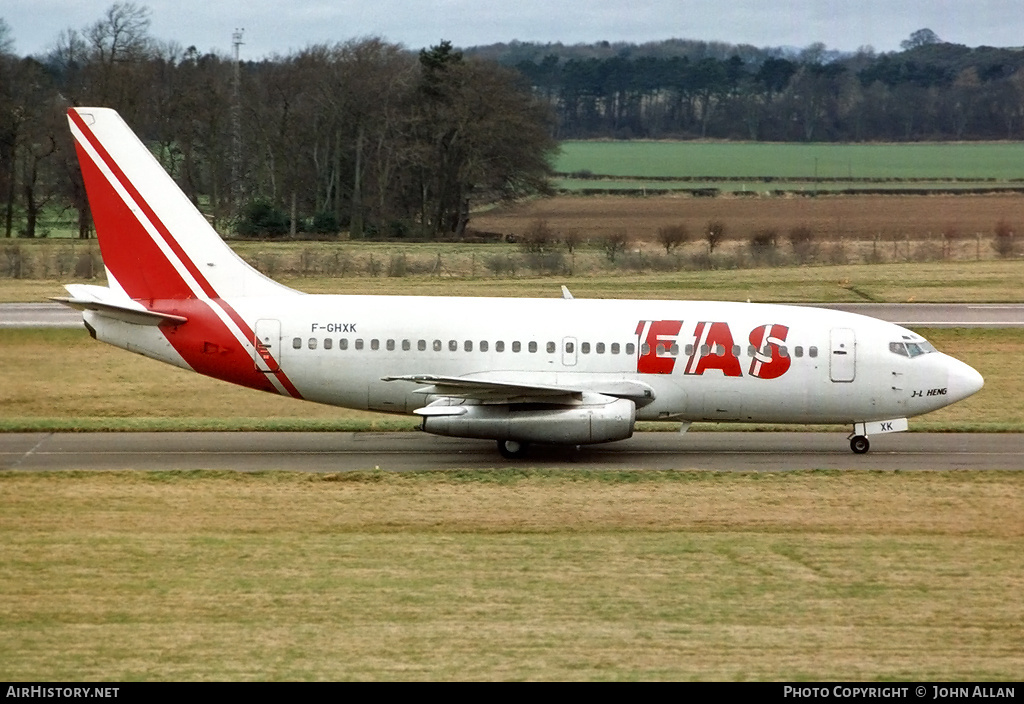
852, 219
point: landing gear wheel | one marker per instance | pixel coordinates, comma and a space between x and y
512, 449
859, 444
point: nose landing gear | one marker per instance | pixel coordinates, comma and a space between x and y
859, 444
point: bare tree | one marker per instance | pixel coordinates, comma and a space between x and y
6, 40
1003, 242
714, 233
801, 239
615, 244
539, 238
672, 236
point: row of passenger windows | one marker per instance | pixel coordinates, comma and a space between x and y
551, 348
467, 346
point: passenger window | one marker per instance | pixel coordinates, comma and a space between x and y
359, 343
798, 351
390, 344
615, 348
812, 351
532, 347
783, 351
312, 343
499, 346
374, 344
421, 345
645, 350
453, 345
570, 348
468, 345
599, 348
343, 343
704, 350
406, 345
689, 350
659, 350
516, 346
437, 345
483, 345
674, 350
297, 343
551, 348
585, 347
736, 351
328, 343
630, 348
751, 350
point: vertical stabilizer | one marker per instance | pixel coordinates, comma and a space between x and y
155, 243
173, 283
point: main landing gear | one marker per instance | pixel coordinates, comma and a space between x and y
513, 449
859, 444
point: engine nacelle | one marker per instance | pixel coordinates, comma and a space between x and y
606, 420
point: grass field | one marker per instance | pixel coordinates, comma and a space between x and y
64, 380
512, 575
938, 163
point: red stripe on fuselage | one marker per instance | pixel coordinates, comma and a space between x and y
147, 274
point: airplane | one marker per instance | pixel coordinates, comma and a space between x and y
560, 371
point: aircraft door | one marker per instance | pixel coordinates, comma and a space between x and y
267, 344
569, 351
843, 354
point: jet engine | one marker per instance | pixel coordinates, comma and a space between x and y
598, 418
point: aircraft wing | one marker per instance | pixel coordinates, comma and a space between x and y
494, 389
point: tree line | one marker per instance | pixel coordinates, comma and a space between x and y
930, 90
369, 137
363, 136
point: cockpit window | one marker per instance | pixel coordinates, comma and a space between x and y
911, 349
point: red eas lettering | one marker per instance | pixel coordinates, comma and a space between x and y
768, 362
658, 336
713, 349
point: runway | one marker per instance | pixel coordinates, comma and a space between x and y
933, 315
398, 452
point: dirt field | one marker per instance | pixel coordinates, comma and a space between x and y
918, 218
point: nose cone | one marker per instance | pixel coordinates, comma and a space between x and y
964, 380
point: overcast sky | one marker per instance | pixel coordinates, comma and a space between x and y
279, 26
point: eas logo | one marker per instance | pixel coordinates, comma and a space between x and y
768, 362
710, 346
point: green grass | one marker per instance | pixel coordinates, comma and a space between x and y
511, 575
1000, 162
62, 380
768, 187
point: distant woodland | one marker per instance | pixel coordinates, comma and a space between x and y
931, 90
374, 139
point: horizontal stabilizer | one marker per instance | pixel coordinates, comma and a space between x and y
103, 301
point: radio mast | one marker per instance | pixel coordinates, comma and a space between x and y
236, 123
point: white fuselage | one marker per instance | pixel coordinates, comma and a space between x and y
703, 360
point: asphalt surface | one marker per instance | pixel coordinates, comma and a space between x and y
342, 452
54, 315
